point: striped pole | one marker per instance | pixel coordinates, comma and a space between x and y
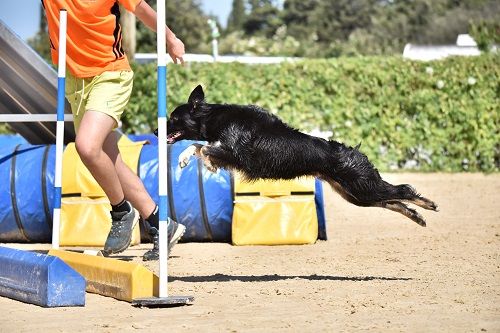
61, 81
162, 146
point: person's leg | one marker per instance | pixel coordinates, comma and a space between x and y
136, 193
92, 133
93, 130
132, 186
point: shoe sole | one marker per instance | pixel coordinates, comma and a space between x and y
136, 219
181, 229
179, 232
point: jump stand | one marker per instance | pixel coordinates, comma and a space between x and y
164, 299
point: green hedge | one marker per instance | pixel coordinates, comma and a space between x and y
430, 116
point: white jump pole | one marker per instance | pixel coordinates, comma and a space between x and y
61, 81
162, 145
163, 299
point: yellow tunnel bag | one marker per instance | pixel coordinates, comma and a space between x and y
274, 212
85, 217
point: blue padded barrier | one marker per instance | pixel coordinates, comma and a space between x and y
39, 279
199, 199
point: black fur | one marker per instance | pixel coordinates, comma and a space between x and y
259, 145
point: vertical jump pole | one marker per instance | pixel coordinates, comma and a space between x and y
162, 145
163, 299
61, 82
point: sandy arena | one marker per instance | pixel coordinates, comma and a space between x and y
378, 272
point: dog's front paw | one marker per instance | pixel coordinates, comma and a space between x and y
185, 156
211, 168
184, 160
183, 163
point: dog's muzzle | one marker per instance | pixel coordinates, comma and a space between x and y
171, 137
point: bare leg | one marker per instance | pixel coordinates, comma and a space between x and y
94, 129
132, 186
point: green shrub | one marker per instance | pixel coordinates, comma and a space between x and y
5, 129
486, 34
430, 116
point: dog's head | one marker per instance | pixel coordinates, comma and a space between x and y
185, 122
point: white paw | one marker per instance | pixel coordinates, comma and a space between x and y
185, 156
183, 163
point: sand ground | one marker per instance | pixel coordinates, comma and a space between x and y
377, 272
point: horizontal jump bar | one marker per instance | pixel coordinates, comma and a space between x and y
32, 118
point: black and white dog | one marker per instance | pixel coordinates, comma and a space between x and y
258, 144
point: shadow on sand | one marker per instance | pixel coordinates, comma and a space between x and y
276, 277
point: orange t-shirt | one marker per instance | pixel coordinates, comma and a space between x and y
94, 35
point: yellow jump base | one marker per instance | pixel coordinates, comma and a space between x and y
122, 280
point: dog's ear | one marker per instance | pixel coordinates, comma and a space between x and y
197, 96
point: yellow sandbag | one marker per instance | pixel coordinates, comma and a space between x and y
71, 160
85, 217
272, 188
86, 221
274, 212
77, 179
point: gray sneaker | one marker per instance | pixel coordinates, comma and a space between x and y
120, 235
175, 232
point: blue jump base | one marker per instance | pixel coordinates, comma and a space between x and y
39, 279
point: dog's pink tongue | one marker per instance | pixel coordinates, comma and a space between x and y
171, 137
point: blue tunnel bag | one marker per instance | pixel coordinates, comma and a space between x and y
197, 198
27, 193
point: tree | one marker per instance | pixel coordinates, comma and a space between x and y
187, 21
263, 19
336, 20
296, 15
40, 42
237, 16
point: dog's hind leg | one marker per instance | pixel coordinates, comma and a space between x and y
400, 207
424, 203
408, 194
393, 205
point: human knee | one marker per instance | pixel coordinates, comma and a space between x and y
88, 151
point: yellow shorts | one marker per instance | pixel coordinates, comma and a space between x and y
108, 93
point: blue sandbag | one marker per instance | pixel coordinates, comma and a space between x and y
26, 197
39, 279
199, 199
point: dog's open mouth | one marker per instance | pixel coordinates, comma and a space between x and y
171, 137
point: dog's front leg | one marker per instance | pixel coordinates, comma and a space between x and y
194, 149
207, 162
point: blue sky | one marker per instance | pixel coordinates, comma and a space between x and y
14, 14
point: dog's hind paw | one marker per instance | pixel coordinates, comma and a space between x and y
427, 204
